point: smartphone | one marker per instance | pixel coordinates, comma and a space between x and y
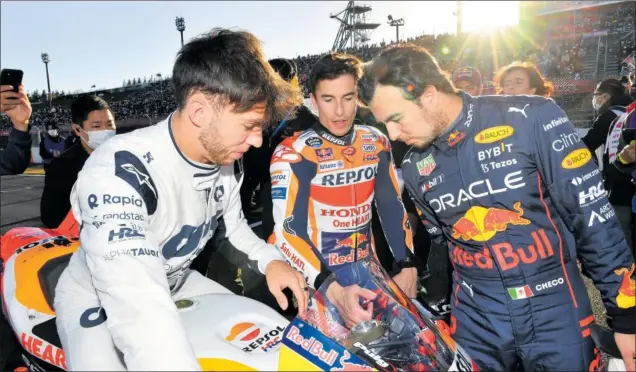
11, 77
629, 135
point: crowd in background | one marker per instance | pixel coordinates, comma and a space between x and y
560, 56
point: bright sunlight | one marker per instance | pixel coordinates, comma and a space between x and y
489, 15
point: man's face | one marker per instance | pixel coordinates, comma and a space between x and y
517, 82
468, 87
336, 102
228, 135
97, 120
406, 121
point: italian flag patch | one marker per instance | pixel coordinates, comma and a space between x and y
520, 293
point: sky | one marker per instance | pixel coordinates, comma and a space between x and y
105, 43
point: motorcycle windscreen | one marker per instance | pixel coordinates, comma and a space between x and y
397, 336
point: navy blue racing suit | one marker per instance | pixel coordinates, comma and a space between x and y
515, 195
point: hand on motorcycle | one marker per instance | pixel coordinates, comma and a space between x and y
279, 276
407, 281
627, 346
347, 300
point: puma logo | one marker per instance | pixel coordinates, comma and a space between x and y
470, 287
521, 111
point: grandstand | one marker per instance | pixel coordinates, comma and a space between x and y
576, 44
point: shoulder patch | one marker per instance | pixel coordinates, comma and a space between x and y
130, 169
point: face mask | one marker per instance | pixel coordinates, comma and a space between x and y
96, 138
595, 104
52, 132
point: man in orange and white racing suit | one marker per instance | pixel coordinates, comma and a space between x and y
323, 183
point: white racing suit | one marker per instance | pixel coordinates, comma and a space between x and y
146, 212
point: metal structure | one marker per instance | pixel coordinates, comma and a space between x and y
396, 23
354, 28
46, 60
180, 23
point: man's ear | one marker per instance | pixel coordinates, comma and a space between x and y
76, 129
313, 100
429, 95
197, 108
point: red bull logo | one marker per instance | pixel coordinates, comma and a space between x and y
352, 241
455, 138
481, 224
347, 366
507, 256
627, 291
312, 346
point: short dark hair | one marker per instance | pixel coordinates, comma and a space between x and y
332, 66
286, 68
405, 66
230, 66
84, 105
537, 81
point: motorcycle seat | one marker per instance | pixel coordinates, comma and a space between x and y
49, 274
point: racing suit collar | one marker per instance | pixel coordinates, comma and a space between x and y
460, 126
345, 140
204, 175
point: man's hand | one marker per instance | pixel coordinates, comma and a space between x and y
347, 300
627, 345
407, 281
628, 155
279, 276
16, 106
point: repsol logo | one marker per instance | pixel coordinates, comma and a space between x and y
349, 177
266, 342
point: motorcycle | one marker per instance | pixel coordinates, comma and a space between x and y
245, 335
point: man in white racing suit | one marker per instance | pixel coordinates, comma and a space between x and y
149, 200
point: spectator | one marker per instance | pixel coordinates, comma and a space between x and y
16, 156
468, 79
610, 101
52, 144
92, 123
519, 78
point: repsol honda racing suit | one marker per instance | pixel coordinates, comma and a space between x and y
515, 194
322, 190
146, 212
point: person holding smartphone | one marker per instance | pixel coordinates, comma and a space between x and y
15, 104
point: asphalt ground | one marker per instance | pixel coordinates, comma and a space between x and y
20, 206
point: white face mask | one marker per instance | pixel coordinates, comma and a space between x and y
97, 137
597, 106
52, 132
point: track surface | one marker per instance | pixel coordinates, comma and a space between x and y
20, 201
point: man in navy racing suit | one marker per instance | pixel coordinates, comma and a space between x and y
149, 200
508, 185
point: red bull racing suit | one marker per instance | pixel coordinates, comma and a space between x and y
515, 195
322, 190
